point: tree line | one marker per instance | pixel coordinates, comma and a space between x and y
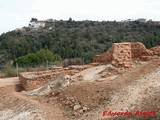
74, 39
38, 58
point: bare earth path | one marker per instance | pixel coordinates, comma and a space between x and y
9, 81
16, 106
51, 112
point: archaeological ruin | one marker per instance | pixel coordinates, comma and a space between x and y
122, 54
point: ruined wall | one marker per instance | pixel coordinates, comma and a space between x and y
139, 50
103, 58
156, 50
33, 80
121, 56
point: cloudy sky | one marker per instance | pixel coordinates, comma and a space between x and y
17, 13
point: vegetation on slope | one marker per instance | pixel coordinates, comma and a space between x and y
76, 39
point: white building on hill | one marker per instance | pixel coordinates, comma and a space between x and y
35, 23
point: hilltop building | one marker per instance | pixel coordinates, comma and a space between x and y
35, 23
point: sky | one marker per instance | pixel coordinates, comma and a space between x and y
17, 13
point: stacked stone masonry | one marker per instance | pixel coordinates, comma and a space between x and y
33, 80
103, 58
122, 54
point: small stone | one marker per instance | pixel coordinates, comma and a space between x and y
77, 107
100, 80
85, 108
68, 102
53, 94
80, 111
74, 114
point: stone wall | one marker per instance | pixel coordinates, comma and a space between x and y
103, 58
121, 56
156, 50
33, 80
139, 50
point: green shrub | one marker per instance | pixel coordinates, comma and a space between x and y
88, 57
38, 58
9, 71
57, 63
74, 61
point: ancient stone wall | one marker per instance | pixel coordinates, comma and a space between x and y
33, 80
156, 50
123, 53
139, 50
121, 56
103, 58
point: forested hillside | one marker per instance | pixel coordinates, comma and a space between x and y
76, 39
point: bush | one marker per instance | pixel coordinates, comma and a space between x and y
74, 61
88, 57
36, 59
57, 63
9, 71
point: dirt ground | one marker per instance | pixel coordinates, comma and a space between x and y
91, 92
9, 81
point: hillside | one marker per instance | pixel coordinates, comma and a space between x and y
76, 39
